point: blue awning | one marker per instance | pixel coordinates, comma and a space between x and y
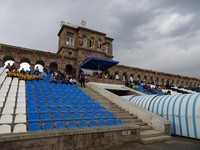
96, 63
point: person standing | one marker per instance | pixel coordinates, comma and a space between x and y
82, 78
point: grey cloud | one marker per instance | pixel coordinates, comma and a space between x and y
132, 23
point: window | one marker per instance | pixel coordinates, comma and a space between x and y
107, 48
70, 39
91, 42
99, 44
84, 41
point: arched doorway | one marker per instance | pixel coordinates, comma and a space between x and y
53, 66
40, 64
24, 63
8, 60
69, 69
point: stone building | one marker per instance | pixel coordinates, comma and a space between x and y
75, 44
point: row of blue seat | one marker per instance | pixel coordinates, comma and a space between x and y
74, 125
62, 109
69, 116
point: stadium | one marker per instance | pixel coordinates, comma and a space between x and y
119, 103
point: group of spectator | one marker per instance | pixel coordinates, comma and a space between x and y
14, 72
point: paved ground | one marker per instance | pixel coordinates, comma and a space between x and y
176, 143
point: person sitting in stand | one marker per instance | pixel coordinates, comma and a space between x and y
72, 81
29, 76
65, 79
53, 78
37, 70
44, 73
22, 71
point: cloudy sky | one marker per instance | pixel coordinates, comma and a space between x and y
162, 35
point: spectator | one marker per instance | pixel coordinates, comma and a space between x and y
72, 81
82, 78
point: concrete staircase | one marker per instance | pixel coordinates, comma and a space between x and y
147, 134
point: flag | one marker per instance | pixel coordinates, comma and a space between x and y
94, 45
63, 55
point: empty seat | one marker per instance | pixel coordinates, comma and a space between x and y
45, 117
111, 122
19, 128
72, 109
111, 115
118, 122
34, 127
60, 125
72, 125
48, 126
43, 110
63, 109
92, 123
89, 109
20, 110
8, 110
77, 116
33, 118
83, 124
32, 110
95, 115
10, 104
67, 116
53, 109
86, 116
102, 123
81, 109
6, 119
103, 115
21, 103
20, 118
56, 117
5, 129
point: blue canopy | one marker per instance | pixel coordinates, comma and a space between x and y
96, 63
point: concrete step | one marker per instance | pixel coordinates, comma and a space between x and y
150, 133
155, 139
142, 128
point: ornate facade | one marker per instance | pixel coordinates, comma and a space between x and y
78, 43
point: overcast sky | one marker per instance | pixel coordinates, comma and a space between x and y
162, 35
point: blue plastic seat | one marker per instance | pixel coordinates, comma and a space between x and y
86, 116
59, 104
72, 109
93, 123
32, 110
103, 109
53, 109
77, 116
45, 117
102, 123
48, 126
81, 109
67, 116
111, 115
103, 115
118, 122
89, 109
96, 109
60, 125
95, 115
43, 110
34, 127
63, 109
83, 124
111, 122
41, 104
72, 125
96, 104
56, 117
33, 118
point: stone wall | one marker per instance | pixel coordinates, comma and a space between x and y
93, 138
